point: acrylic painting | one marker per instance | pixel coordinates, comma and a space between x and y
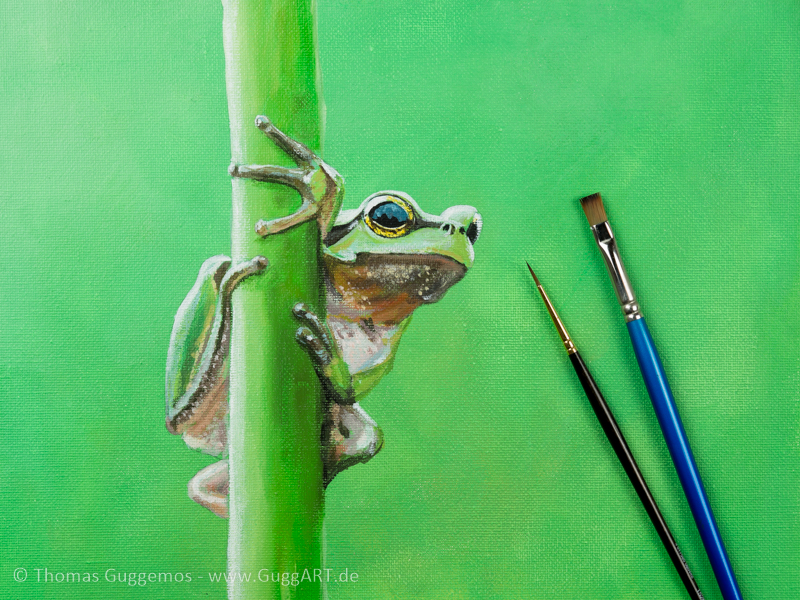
269, 332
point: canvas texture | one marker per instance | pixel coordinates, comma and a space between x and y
496, 481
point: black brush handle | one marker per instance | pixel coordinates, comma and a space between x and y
617, 440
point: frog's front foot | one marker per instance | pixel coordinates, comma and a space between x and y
320, 186
315, 338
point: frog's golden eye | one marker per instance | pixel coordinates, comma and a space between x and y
391, 218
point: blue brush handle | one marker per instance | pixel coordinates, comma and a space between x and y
678, 445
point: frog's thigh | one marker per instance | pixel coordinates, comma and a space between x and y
210, 488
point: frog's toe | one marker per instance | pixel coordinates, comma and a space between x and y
304, 314
263, 123
260, 263
240, 272
313, 345
267, 228
312, 322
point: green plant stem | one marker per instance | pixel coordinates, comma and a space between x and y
276, 492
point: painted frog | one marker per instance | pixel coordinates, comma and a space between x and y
381, 261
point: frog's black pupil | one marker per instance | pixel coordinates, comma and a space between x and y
472, 232
389, 215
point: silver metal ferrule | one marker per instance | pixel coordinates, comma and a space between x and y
622, 284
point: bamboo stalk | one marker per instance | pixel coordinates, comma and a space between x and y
276, 491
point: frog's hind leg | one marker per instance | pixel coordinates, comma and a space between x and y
181, 411
320, 186
349, 436
209, 488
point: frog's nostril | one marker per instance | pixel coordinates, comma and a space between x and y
448, 228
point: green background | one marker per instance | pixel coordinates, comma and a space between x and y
496, 480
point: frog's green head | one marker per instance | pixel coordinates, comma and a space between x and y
392, 223
388, 256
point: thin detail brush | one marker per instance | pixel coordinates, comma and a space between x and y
661, 396
623, 452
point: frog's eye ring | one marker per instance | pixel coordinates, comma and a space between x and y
391, 218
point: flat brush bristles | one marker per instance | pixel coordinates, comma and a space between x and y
593, 207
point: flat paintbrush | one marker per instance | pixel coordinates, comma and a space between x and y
661, 396
617, 441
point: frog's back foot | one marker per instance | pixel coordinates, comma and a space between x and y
191, 334
350, 436
197, 360
209, 488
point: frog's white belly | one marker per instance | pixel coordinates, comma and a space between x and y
362, 344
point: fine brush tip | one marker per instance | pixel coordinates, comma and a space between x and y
593, 207
536, 279
562, 331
